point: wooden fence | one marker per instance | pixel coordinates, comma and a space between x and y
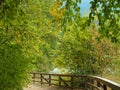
75, 81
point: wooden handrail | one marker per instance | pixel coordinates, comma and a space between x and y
89, 82
105, 82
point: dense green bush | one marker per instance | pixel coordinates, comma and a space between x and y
13, 68
85, 52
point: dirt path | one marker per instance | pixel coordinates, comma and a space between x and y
37, 87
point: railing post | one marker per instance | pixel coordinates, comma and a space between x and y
49, 79
72, 81
86, 80
33, 78
99, 84
104, 87
41, 79
59, 80
92, 82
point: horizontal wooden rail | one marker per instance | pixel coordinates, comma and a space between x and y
75, 81
65, 80
102, 83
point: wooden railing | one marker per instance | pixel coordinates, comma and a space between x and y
99, 83
75, 81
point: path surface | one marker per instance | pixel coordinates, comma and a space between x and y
37, 87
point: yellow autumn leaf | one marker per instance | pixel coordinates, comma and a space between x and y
57, 12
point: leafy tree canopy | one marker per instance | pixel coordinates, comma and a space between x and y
53, 32
106, 11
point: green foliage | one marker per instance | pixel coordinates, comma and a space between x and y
47, 34
81, 51
86, 50
14, 61
15, 44
14, 67
104, 10
107, 11
43, 35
